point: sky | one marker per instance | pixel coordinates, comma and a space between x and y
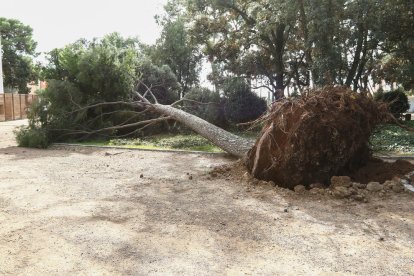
57, 23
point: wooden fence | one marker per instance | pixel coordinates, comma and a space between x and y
14, 106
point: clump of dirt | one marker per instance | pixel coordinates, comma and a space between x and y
379, 171
314, 137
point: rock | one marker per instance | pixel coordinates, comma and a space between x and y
341, 192
398, 188
141, 176
374, 187
317, 191
341, 181
353, 191
388, 184
272, 183
396, 179
316, 185
356, 185
190, 177
359, 197
300, 188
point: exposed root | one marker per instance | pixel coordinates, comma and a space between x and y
317, 136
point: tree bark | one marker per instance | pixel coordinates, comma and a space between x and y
225, 140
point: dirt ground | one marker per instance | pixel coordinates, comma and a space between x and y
121, 212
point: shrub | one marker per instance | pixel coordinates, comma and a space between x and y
242, 105
397, 101
31, 137
90, 72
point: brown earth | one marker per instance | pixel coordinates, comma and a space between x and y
380, 171
87, 211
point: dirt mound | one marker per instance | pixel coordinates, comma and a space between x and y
380, 171
312, 138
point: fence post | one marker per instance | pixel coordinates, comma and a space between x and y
12, 106
20, 106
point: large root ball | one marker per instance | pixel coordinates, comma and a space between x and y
314, 137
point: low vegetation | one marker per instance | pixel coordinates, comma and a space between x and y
189, 142
393, 139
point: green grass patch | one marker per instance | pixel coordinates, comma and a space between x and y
161, 142
391, 139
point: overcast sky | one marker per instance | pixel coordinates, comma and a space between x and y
56, 23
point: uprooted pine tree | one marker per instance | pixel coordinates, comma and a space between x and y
303, 140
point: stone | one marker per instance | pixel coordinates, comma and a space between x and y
341, 181
388, 184
316, 191
300, 188
341, 192
374, 187
353, 191
356, 185
272, 183
359, 197
316, 185
398, 188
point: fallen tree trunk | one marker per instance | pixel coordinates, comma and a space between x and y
223, 139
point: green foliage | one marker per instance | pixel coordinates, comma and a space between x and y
31, 137
160, 79
19, 49
175, 49
395, 31
242, 105
181, 142
238, 104
102, 69
392, 138
397, 101
301, 42
93, 72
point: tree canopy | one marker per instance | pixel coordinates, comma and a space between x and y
301, 43
19, 49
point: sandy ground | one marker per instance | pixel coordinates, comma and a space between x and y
89, 212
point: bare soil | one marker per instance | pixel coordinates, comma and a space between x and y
120, 212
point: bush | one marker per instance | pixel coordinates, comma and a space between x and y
397, 101
31, 137
90, 72
242, 105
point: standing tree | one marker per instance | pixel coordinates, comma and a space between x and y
395, 31
19, 49
248, 37
175, 49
